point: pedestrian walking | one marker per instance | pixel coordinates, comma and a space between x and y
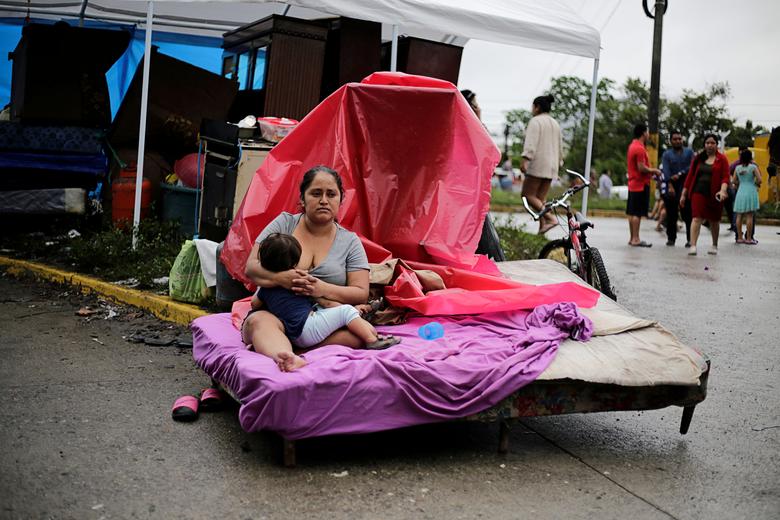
605, 185
676, 161
542, 157
748, 180
639, 175
733, 192
706, 185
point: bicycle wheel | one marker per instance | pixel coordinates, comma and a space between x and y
597, 273
558, 250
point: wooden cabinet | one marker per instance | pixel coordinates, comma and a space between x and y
278, 63
425, 58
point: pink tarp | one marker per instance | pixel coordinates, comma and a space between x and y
479, 361
474, 293
416, 165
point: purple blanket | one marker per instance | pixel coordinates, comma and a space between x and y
479, 361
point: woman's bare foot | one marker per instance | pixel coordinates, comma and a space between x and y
289, 362
547, 226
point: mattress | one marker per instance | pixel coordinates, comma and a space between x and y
50, 139
480, 361
625, 350
497, 365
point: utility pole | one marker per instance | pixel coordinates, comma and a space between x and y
655, 78
506, 140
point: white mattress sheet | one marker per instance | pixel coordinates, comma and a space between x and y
625, 350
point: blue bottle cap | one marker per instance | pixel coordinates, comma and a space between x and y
430, 331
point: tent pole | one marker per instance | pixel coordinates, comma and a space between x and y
394, 50
81, 13
591, 122
139, 174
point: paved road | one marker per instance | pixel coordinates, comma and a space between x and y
86, 433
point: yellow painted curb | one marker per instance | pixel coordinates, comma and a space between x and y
161, 306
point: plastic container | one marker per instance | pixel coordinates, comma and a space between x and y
275, 129
228, 289
178, 203
432, 330
123, 196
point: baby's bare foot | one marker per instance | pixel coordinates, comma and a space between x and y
288, 361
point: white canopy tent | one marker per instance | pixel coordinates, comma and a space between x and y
549, 26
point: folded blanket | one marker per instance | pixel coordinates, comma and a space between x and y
480, 360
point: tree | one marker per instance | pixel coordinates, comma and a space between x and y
743, 135
516, 120
614, 122
700, 113
618, 109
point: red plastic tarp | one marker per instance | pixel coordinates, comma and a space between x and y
474, 293
416, 165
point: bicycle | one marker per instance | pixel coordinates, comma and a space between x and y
573, 250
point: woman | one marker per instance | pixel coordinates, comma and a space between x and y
471, 99
333, 267
542, 157
748, 180
706, 184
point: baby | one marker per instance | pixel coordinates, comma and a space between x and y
305, 322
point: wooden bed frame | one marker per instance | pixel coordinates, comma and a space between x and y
557, 397
563, 396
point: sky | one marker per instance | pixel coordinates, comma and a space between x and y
704, 42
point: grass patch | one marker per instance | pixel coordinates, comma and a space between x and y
503, 200
109, 254
769, 210
99, 248
519, 244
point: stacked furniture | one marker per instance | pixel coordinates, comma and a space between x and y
49, 169
51, 151
285, 66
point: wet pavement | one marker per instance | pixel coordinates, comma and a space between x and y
86, 429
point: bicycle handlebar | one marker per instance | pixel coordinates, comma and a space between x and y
555, 203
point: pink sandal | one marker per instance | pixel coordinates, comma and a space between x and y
185, 409
212, 400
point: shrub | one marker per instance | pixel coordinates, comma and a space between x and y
517, 243
109, 253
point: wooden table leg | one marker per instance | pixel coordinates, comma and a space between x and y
288, 448
686, 418
503, 436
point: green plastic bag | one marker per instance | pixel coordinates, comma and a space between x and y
186, 283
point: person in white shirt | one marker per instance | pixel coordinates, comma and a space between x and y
605, 185
542, 157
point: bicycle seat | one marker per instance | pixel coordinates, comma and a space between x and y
582, 221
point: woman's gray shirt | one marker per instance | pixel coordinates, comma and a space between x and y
345, 256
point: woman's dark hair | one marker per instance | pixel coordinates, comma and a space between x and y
745, 157
308, 178
468, 94
703, 154
544, 103
279, 252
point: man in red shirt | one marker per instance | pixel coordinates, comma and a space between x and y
639, 175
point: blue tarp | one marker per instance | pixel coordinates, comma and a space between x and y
201, 51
